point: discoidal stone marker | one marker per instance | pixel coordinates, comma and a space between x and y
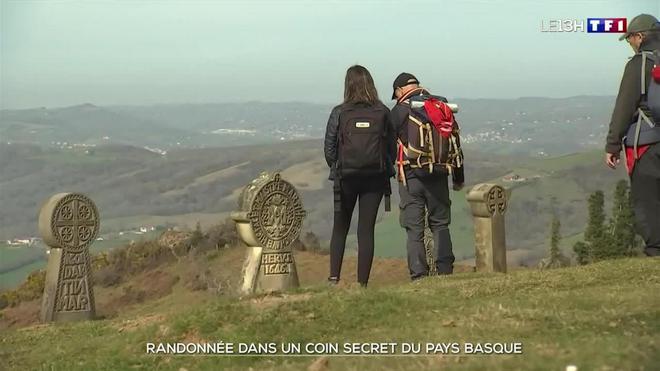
68, 224
488, 203
269, 220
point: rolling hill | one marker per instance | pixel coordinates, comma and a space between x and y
127, 159
134, 187
531, 126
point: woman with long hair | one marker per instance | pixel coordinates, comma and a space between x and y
360, 150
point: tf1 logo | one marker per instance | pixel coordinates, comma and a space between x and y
618, 25
592, 25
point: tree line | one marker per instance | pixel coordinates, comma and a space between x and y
604, 237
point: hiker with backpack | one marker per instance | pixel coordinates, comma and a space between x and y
428, 150
635, 127
359, 149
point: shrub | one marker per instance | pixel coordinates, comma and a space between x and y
222, 235
106, 277
4, 303
31, 289
311, 241
133, 295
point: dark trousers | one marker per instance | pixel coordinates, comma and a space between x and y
431, 193
645, 193
370, 192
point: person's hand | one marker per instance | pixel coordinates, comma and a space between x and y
457, 186
612, 159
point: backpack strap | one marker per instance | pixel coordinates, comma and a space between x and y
401, 161
645, 55
405, 97
336, 183
388, 196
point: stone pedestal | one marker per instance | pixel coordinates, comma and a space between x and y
68, 224
269, 220
488, 203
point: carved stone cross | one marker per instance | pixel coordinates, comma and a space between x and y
68, 224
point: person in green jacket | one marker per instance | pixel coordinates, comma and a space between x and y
635, 102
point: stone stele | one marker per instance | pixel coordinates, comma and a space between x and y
269, 220
488, 203
68, 224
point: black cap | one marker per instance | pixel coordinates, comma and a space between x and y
402, 80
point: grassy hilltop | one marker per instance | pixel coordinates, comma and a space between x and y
603, 316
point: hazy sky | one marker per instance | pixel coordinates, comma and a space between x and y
57, 53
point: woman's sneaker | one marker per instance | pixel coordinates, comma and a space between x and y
333, 281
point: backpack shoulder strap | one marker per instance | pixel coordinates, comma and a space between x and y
646, 55
406, 97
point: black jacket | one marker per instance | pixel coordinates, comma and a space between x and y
629, 97
399, 115
331, 140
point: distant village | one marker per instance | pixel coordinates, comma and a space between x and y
29, 242
89, 148
23, 242
517, 178
522, 132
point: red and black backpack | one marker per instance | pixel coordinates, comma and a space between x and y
429, 141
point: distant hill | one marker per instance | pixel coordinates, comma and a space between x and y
164, 127
536, 126
128, 160
127, 181
532, 126
82, 124
134, 187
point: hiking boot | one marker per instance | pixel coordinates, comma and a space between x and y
652, 251
443, 270
417, 278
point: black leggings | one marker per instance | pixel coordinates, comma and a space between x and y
370, 191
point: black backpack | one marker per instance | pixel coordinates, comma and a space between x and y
362, 141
